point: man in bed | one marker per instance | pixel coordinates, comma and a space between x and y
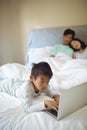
68, 35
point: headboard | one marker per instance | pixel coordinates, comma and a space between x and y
39, 38
51, 36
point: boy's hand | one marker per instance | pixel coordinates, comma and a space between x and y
56, 98
49, 104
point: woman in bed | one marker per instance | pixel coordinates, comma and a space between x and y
80, 48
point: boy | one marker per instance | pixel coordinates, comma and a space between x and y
41, 74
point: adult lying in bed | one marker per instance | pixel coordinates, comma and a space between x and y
80, 48
68, 35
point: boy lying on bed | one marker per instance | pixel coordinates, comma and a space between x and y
28, 91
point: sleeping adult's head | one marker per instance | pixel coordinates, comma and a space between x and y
77, 44
79, 47
68, 35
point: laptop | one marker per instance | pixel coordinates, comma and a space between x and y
70, 101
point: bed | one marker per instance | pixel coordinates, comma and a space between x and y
67, 73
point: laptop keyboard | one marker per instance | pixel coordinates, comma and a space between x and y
54, 112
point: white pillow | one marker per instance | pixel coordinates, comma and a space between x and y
36, 54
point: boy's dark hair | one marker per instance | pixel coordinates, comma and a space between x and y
83, 45
41, 68
68, 32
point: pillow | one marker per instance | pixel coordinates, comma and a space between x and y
36, 54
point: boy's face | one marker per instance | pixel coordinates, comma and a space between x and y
41, 82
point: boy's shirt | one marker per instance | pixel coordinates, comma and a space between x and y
27, 95
25, 92
61, 48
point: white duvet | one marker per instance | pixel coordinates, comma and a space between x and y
13, 117
67, 72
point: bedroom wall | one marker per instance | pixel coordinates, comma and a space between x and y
18, 17
11, 46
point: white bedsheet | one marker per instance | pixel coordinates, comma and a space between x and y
67, 72
13, 117
14, 71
